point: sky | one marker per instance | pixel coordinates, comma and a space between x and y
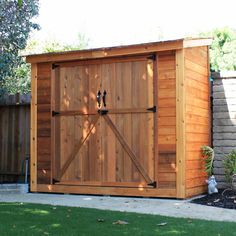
120, 22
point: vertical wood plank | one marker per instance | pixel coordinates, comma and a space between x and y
151, 91
127, 102
53, 144
180, 125
135, 117
209, 101
94, 142
117, 91
57, 124
143, 98
33, 129
109, 144
155, 103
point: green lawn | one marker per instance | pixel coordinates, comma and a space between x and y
34, 219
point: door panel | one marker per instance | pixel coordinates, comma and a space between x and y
79, 86
91, 151
129, 86
117, 163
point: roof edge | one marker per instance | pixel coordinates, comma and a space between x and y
107, 52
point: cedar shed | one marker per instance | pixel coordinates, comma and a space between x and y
126, 120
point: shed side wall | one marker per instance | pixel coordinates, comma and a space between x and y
197, 117
166, 120
44, 123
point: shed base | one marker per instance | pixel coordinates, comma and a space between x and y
115, 191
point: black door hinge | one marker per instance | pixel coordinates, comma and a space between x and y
54, 181
153, 184
55, 113
152, 57
54, 66
153, 109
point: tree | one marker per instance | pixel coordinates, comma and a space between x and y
53, 45
223, 49
15, 25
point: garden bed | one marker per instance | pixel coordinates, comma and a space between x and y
224, 199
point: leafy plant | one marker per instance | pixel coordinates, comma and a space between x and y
54, 45
229, 163
16, 23
208, 155
223, 49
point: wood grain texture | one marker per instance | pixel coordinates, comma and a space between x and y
43, 120
33, 129
166, 130
102, 158
197, 117
140, 191
180, 124
162, 143
119, 51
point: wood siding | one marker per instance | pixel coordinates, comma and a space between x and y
43, 123
197, 117
105, 158
166, 120
125, 148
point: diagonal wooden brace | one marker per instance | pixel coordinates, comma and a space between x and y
78, 147
129, 151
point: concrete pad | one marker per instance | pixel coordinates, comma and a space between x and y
164, 207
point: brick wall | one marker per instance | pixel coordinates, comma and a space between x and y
224, 120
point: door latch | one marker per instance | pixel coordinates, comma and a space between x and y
104, 98
99, 98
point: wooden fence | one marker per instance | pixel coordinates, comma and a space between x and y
14, 137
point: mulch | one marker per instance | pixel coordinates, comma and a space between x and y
224, 199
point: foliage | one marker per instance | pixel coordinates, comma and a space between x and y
223, 49
20, 83
208, 154
53, 45
35, 219
15, 26
229, 163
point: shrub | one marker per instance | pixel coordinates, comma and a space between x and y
229, 163
208, 154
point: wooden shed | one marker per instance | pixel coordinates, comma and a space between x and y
126, 120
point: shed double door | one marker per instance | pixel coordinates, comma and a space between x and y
103, 123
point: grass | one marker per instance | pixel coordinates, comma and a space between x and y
34, 219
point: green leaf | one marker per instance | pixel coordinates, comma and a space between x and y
208, 155
20, 3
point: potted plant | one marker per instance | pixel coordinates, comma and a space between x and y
229, 163
208, 155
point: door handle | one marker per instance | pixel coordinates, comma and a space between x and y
104, 98
99, 98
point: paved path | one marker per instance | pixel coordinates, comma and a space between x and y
165, 207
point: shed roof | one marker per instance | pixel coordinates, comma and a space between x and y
119, 50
